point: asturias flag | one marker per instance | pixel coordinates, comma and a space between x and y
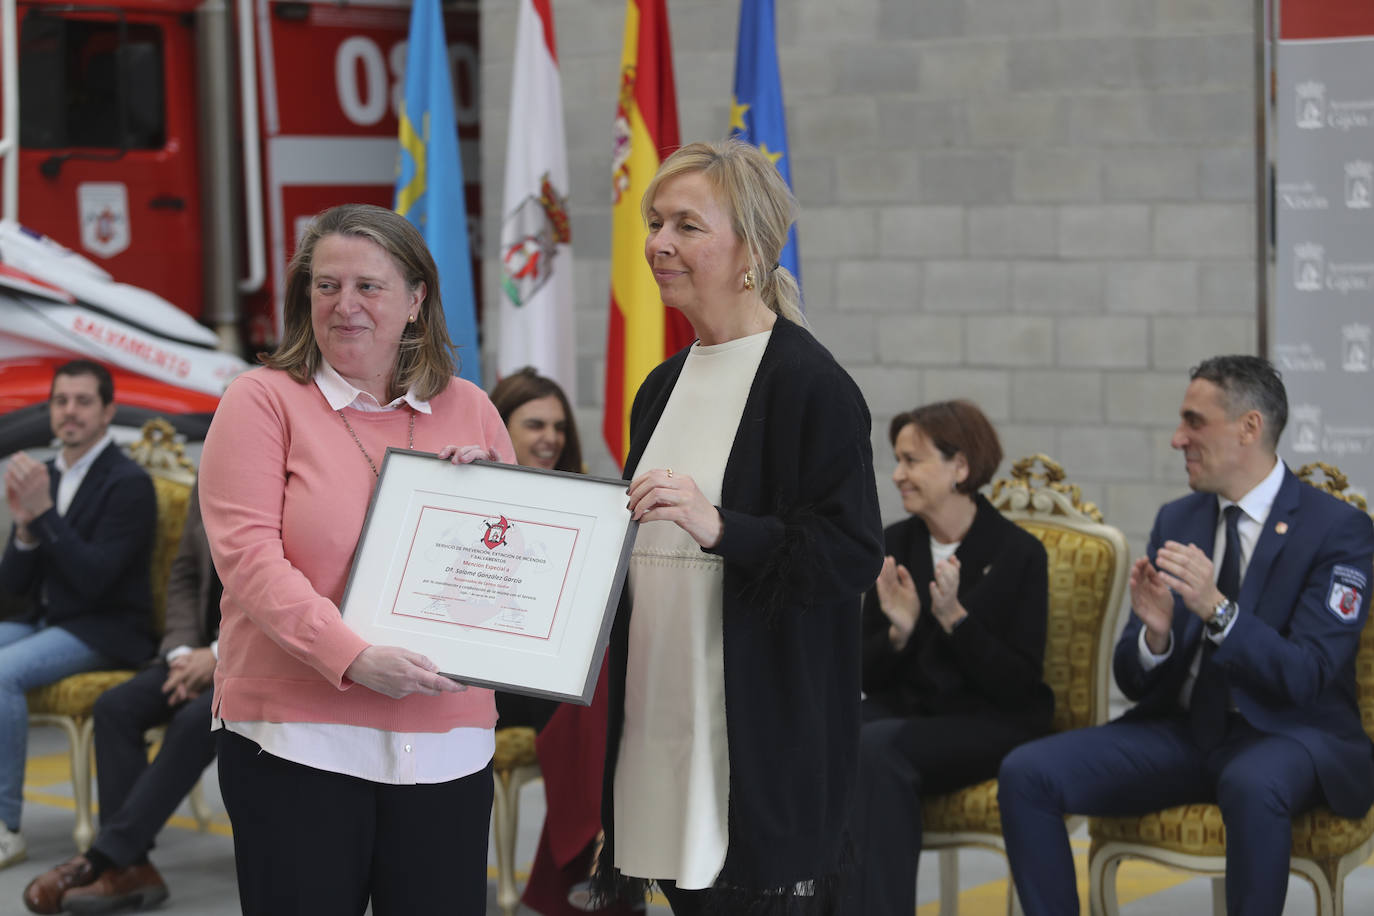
537, 326
756, 113
429, 177
642, 331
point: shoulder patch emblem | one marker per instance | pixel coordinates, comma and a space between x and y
1346, 592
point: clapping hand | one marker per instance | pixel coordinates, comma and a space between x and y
944, 594
27, 491
1153, 603
1189, 572
898, 601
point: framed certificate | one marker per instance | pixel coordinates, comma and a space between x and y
504, 576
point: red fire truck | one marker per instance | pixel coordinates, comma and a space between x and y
177, 147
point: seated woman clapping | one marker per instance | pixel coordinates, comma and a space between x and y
954, 636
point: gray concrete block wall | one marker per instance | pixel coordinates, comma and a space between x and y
1044, 205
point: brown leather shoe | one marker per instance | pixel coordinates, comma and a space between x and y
138, 887
44, 893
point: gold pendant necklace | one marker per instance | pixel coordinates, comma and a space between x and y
410, 441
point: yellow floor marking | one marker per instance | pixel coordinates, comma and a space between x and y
47, 798
47, 770
1134, 881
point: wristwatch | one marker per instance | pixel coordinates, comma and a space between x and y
1222, 615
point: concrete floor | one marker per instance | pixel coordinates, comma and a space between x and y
199, 867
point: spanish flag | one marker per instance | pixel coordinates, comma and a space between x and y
642, 331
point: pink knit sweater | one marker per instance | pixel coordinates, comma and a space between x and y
283, 491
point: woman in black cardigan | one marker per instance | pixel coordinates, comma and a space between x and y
734, 659
953, 636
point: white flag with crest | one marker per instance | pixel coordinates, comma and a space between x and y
536, 236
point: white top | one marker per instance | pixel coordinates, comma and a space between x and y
72, 476
672, 781
1254, 510
395, 758
940, 552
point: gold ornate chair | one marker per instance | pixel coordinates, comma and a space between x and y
1088, 568
67, 704
1191, 837
513, 766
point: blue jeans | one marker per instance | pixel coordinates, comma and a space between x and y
30, 657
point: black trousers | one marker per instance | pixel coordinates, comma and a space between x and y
901, 759
682, 902
137, 797
307, 841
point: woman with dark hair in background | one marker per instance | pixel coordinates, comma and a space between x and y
571, 740
954, 641
542, 430
540, 421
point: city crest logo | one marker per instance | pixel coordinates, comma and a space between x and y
530, 240
1311, 104
1355, 340
1307, 420
1358, 176
1309, 260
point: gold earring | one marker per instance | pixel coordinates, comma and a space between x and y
748, 279
412, 319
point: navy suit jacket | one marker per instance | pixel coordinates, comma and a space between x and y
1290, 656
92, 564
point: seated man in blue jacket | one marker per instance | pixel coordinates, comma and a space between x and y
1240, 655
80, 550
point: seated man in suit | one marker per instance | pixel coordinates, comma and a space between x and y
136, 797
1240, 655
80, 549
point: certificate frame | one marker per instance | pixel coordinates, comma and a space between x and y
505, 576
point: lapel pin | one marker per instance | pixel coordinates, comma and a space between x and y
1281, 528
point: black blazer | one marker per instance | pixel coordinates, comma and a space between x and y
94, 561
991, 665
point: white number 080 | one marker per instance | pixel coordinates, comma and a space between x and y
362, 80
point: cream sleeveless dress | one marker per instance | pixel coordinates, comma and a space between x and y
673, 774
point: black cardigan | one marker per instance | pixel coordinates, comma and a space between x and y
991, 664
801, 543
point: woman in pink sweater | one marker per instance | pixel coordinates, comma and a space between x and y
351, 772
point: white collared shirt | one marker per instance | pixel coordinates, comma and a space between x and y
74, 475
341, 393
1254, 510
374, 754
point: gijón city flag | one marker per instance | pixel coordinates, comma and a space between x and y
642, 332
537, 327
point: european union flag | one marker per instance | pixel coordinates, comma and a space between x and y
756, 113
429, 177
